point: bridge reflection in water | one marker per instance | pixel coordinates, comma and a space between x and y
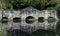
23, 29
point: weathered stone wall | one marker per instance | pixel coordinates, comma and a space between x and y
30, 11
25, 13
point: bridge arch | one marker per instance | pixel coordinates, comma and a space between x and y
41, 19
16, 19
30, 19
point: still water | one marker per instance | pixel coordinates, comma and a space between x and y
7, 29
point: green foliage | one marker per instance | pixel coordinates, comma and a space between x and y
58, 7
41, 3
50, 8
2, 4
10, 4
59, 19
1, 33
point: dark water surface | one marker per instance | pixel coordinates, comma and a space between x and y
38, 32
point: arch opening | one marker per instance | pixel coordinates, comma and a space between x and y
41, 19
30, 19
4, 19
51, 19
16, 19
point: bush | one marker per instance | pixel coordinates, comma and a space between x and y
35, 3
58, 7
51, 19
1, 34
17, 4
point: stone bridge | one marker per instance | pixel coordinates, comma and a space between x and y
26, 12
30, 11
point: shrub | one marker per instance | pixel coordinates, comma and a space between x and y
58, 7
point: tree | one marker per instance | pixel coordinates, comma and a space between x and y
2, 4
40, 4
